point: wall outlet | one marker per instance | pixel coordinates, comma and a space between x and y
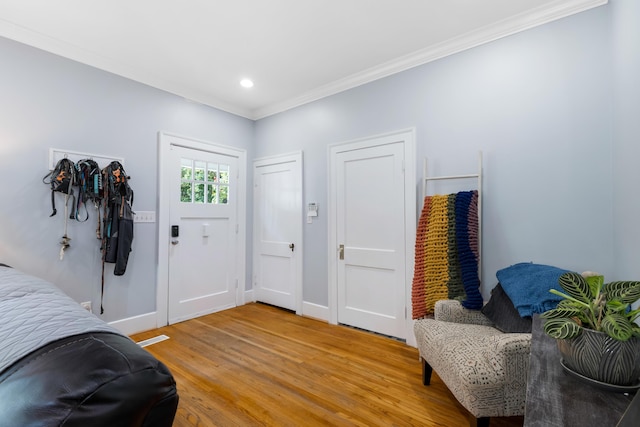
87, 306
144, 216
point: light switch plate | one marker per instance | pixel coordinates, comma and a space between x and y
144, 216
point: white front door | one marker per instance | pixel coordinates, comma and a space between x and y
203, 268
371, 199
278, 231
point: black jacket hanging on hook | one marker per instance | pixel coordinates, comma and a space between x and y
118, 219
120, 237
117, 235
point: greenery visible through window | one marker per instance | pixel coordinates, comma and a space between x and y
204, 182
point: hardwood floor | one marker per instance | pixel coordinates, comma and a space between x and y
259, 365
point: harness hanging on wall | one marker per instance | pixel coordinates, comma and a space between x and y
61, 180
89, 178
117, 230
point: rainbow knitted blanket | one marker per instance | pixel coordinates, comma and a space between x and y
446, 253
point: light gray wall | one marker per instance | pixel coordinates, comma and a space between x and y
47, 101
560, 143
626, 118
538, 104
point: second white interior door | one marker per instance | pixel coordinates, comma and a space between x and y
370, 234
278, 231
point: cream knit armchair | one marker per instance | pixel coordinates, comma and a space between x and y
485, 369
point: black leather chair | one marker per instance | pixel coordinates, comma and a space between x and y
93, 379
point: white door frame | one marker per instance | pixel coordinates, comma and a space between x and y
165, 140
406, 136
274, 160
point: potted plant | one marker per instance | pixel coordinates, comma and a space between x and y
595, 328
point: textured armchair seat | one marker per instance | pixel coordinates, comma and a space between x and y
484, 368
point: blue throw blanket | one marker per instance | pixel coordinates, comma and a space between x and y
528, 284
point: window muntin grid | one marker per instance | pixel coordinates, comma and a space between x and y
204, 182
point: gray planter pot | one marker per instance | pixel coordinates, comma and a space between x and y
597, 356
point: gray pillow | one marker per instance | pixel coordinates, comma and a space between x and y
501, 311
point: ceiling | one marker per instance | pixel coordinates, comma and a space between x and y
295, 51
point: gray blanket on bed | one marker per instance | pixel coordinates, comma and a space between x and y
34, 312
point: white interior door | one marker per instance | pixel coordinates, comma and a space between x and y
203, 216
370, 211
278, 216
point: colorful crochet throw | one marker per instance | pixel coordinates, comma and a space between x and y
446, 263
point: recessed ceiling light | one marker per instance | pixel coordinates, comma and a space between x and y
246, 83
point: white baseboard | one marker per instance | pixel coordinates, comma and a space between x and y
135, 324
315, 311
249, 296
148, 321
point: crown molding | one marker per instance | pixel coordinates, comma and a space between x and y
536, 17
67, 50
539, 16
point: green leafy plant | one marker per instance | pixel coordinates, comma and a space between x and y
592, 304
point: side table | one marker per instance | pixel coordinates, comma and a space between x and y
557, 399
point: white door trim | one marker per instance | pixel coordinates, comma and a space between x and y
274, 160
407, 136
165, 140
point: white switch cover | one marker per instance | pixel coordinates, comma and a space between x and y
144, 216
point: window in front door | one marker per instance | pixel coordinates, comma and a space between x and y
204, 182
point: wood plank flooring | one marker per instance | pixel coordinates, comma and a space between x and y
258, 365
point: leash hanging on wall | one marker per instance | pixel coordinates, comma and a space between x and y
61, 180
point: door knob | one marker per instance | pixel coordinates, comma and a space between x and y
175, 241
341, 250
291, 245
